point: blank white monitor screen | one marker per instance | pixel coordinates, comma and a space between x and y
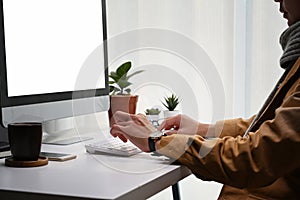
52, 51
47, 46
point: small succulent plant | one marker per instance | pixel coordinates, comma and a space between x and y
171, 102
152, 111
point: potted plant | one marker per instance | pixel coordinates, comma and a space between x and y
120, 92
170, 102
152, 111
153, 115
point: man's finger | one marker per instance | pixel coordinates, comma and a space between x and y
169, 123
120, 116
122, 137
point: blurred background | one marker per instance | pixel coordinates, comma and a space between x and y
241, 41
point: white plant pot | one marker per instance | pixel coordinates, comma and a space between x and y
153, 117
168, 113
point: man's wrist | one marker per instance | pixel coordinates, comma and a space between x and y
206, 130
153, 139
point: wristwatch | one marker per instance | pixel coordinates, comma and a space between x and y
154, 137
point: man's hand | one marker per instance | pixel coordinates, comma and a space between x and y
135, 128
183, 124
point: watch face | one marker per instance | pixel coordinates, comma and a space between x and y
156, 134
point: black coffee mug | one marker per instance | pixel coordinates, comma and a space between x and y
25, 140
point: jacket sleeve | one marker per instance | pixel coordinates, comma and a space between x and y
232, 127
254, 161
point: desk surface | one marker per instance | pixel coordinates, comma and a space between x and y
90, 176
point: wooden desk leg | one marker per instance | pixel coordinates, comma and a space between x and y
176, 192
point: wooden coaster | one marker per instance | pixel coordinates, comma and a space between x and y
10, 162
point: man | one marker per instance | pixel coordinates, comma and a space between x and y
257, 158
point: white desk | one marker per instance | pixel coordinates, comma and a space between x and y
89, 176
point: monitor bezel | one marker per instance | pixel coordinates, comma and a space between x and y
47, 97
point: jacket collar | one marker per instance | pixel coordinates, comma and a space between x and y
272, 104
291, 73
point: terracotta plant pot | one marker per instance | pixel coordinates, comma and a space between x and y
125, 103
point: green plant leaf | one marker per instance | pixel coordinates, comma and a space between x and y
165, 105
114, 76
111, 88
171, 102
152, 111
128, 90
120, 78
117, 89
124, 78
123, 83
137, 72
123, 69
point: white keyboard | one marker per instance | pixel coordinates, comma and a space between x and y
112, 146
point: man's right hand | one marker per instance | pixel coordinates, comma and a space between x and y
182, 124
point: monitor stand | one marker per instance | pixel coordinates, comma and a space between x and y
70, 130
65, 141
4, 144
62, 132
4, 149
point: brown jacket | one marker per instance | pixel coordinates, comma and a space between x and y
263, 165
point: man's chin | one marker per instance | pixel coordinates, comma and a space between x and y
289, 22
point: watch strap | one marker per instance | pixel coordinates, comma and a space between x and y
151, 143
153, 138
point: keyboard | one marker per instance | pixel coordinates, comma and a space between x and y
113, 146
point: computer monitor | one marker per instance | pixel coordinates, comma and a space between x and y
53, 59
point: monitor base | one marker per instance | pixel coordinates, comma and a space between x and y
4, 146
4, 150
65, 141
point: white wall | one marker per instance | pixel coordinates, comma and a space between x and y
209, 24
264, 26
241, 39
